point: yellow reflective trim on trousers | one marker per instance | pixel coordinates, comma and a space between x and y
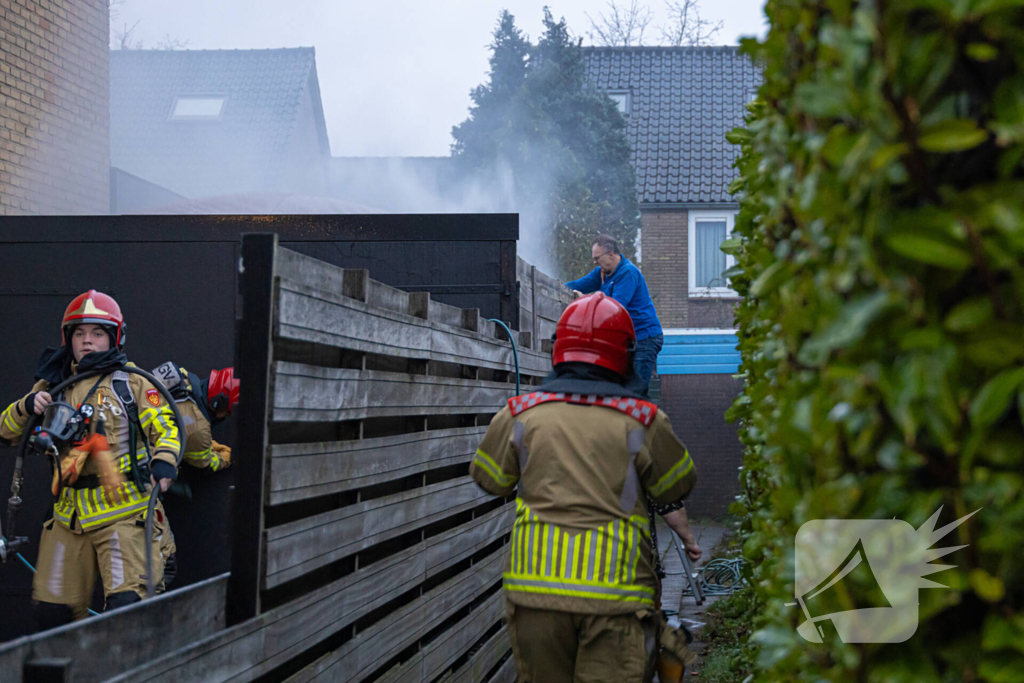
487, 464
678, 471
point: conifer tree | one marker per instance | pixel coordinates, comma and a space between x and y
563, 140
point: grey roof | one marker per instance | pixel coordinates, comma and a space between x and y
684, 101
268, 92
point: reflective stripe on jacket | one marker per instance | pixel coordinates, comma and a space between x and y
198, 437
581, 465
92, 508
600, 564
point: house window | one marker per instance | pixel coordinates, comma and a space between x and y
197, 108
622, 100
707, 231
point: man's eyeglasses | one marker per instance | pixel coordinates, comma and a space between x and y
596, 258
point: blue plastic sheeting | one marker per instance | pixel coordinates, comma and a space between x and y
674, 339
699, 354
698, 369
698, 349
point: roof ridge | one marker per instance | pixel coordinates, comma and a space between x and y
300, 48
661, 48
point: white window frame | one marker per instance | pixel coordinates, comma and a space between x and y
627, 108
729, 216
200, 117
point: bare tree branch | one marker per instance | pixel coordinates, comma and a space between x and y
124, 38
686, 27
169, 42
624, 26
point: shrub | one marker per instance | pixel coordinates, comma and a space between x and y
726, 634
880, 252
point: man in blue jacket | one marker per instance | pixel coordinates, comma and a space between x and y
621, 280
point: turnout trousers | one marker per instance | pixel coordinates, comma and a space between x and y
69, 563
566, 647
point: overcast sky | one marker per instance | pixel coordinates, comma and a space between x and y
395, 75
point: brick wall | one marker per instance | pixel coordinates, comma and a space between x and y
663, 249
712, 312
54, 107
696, 404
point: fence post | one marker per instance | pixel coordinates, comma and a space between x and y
253, 364
533, 304
509, 309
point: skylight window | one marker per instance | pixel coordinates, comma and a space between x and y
197, 108
621, 99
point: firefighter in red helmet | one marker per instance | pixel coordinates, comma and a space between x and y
101, 482
582, 451
203, 404
222, 392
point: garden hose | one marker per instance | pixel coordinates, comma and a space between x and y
515, 353
718, 577
33, 570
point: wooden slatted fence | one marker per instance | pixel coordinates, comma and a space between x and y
362, 550
375, 402
542, 299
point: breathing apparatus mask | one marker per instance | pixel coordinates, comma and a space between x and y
62, 425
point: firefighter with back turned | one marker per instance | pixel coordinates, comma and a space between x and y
582, 452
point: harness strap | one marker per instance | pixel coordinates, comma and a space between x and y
196, 394
119, 382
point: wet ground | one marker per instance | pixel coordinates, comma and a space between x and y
710, 536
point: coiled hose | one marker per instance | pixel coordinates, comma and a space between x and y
718, 577
154, 493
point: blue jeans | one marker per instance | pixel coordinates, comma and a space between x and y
646, 359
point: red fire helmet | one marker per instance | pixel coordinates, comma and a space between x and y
595, 329
96, 308
222, 382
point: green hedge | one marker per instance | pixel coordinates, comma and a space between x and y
881, 256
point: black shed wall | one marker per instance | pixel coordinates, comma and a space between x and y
175, 280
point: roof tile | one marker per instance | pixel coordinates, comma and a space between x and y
263, 90
684, 100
